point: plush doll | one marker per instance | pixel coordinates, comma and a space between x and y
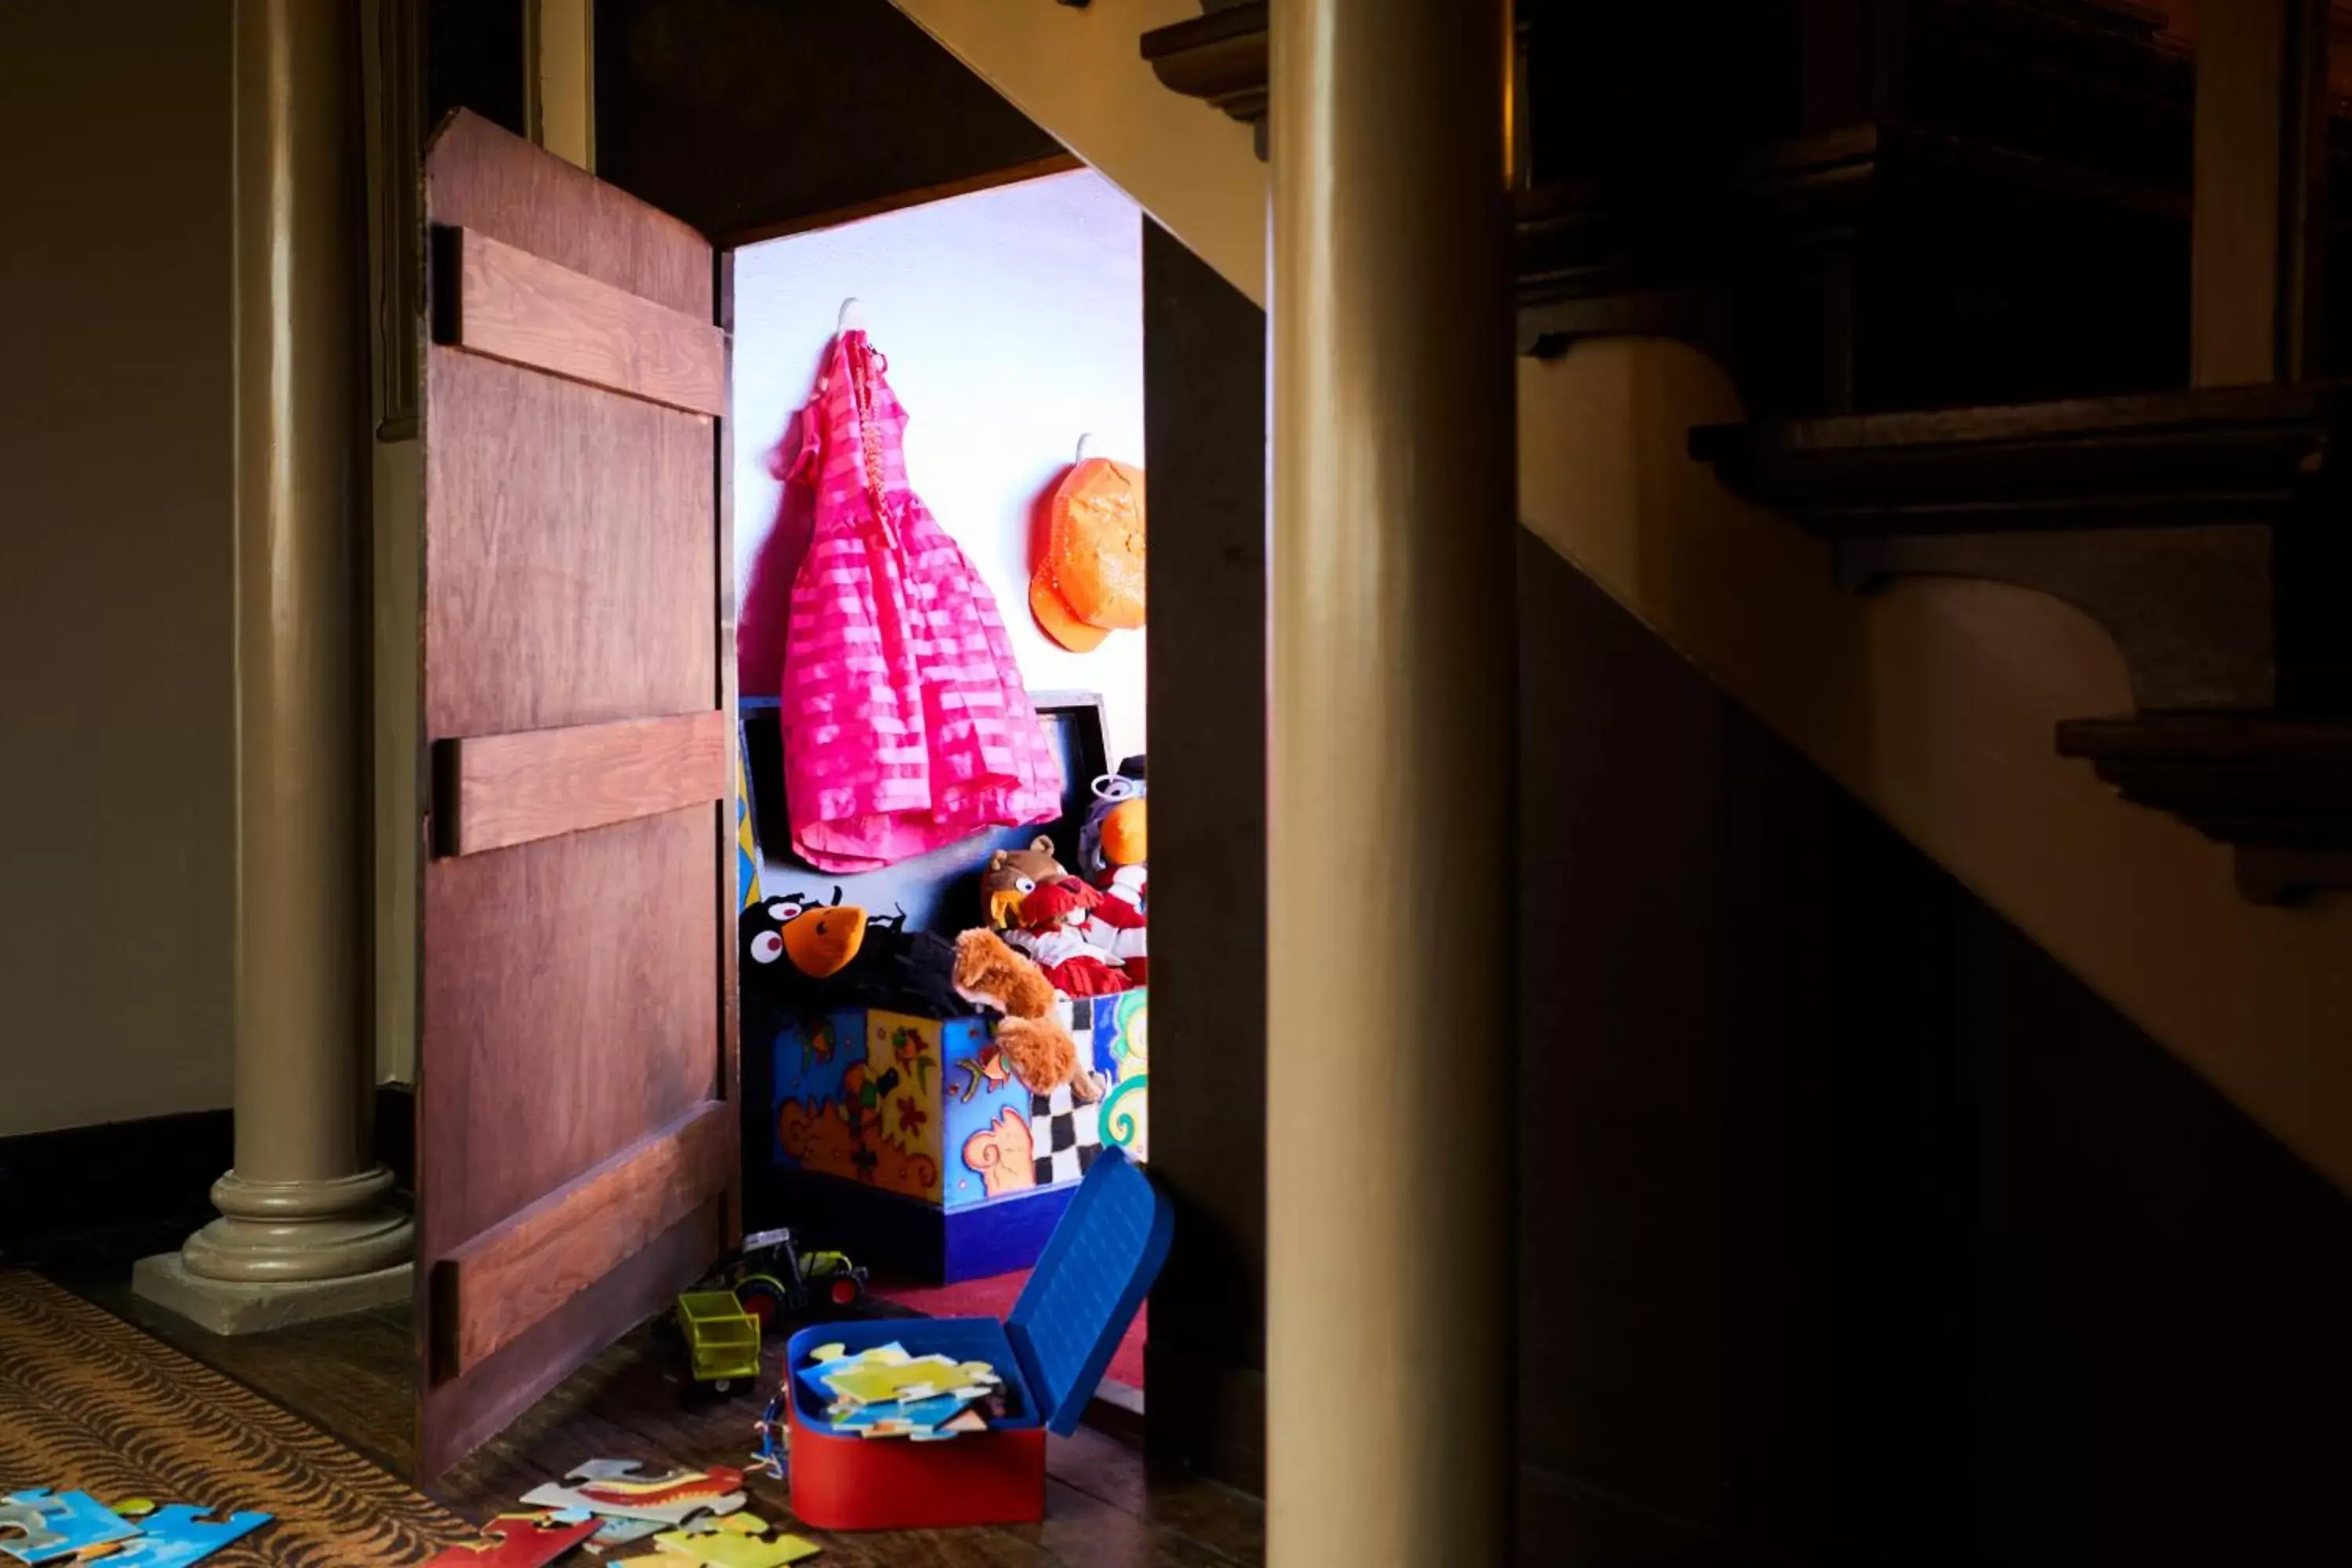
819, 940
797, 955
1031, 1041
1058, 929
1011, 876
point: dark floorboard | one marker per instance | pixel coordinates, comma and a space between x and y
352, 1377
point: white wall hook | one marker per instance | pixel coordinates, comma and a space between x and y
853, 316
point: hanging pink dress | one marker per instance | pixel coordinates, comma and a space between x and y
906, 724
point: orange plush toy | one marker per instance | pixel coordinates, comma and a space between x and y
1031, 1041
1089, 578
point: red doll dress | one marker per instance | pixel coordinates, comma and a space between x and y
905, 722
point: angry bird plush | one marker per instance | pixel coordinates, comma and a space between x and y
818, 939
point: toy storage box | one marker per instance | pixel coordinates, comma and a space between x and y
1088, 1283
905, 1140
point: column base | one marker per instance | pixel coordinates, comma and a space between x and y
249, 1307
284, 1232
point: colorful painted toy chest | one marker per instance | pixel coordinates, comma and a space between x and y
907, 1140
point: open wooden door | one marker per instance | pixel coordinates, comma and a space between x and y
576, 1142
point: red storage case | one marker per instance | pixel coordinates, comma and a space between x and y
1051, 1352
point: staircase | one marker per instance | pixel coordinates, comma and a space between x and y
1797, 228
1856, 364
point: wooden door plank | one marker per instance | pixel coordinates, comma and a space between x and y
568, 1010
477, 178
497, 299
491, 792
569, 561
487, 1291
753, 1118
459, 1414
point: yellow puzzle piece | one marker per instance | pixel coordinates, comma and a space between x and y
731, 1542
862, 1381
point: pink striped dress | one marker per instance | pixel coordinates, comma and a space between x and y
906, 724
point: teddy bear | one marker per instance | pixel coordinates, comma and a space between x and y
1032, 1042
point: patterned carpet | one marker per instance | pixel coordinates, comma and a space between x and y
88, 1402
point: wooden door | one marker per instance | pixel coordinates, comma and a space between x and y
576, 1146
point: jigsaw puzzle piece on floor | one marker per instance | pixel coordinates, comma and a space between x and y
738, 1541
613, 1488
515, 1541
176, 1536
42, 1526
612, 1532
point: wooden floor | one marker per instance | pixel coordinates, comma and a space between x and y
1105, 1508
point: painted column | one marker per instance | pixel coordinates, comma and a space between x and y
306, 1202
1391, 826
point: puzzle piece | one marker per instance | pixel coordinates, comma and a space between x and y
921, 1377
734, 1542
176, 1536
515, 1541
41, 1526
612, 1532
612, 1487
830, 1358
970, 1421
919, 1415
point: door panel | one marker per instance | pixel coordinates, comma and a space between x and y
575, 528
577, 1143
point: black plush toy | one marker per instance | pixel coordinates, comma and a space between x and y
894, 968
774, 992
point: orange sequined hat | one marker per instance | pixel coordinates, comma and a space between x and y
1089, 578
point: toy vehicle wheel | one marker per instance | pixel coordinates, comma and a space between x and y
722, 1386
845, 1291
764, 1301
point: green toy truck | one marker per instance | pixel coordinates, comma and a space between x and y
722, 1340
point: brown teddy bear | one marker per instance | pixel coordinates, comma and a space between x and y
1012, 876
1031, 1041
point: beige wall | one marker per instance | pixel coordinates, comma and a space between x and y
115, 491
1079, 74
1934, 703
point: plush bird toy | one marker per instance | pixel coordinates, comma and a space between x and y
819, 938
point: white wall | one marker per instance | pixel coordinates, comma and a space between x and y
1012, 320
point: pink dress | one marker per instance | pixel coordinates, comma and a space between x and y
906, 724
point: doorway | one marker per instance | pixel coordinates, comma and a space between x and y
1009, 321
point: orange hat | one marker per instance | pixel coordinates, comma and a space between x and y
1090, 577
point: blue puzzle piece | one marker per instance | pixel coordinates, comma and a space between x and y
56, 1524
623, 1531
179, 1536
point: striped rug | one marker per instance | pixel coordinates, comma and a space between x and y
88, 1402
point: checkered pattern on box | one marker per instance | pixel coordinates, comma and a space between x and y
1065, 1136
